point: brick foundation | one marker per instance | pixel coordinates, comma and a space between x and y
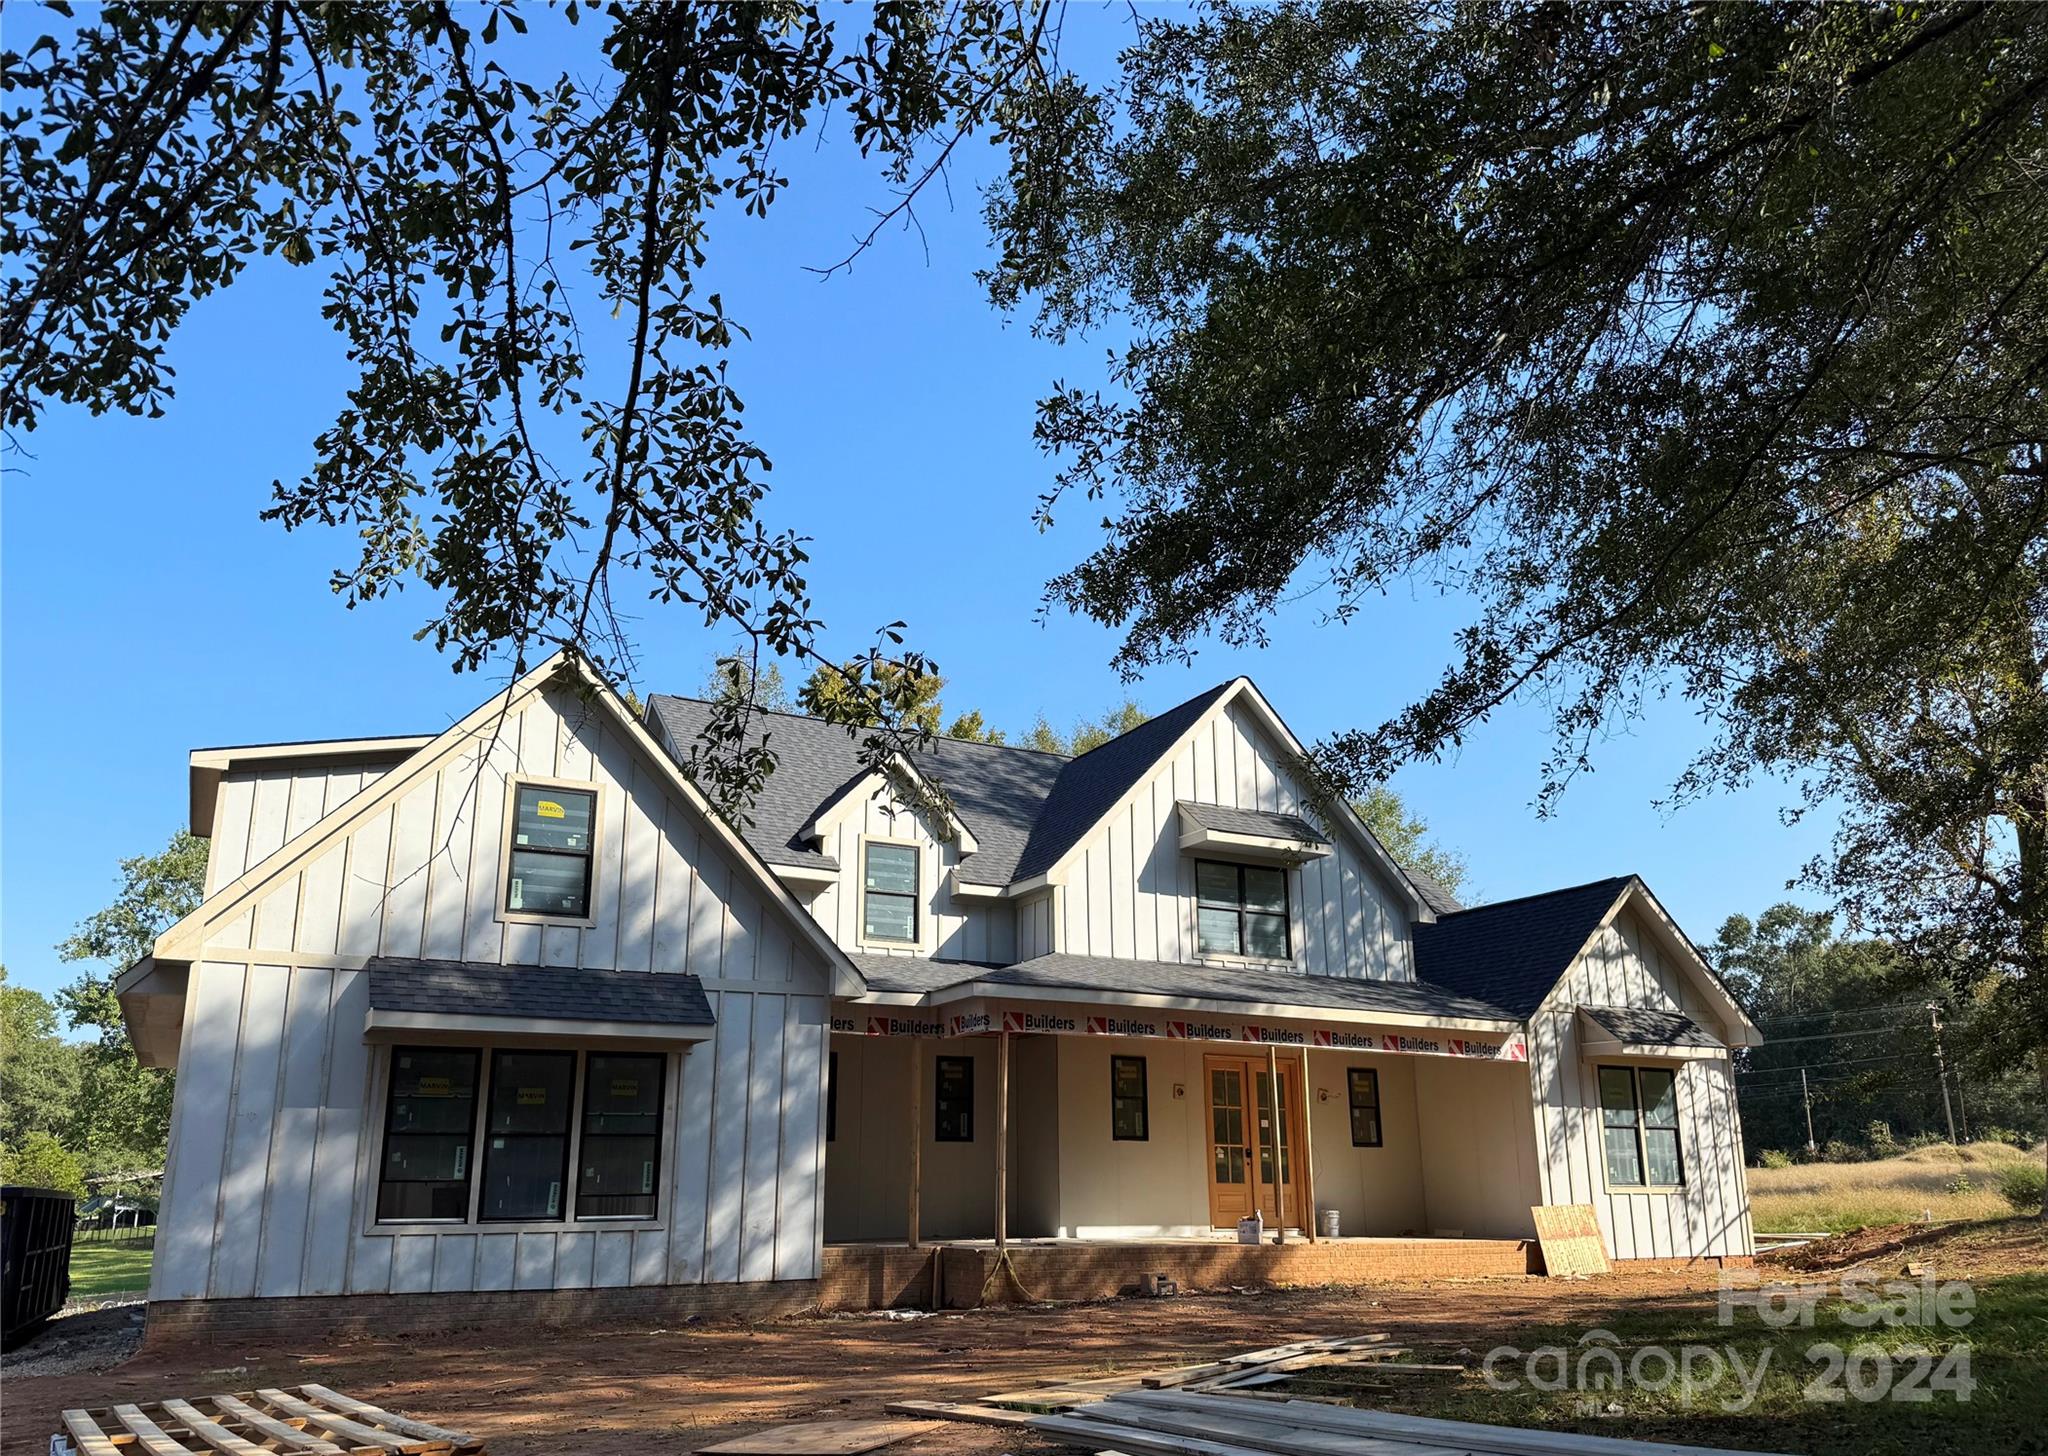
186, 1322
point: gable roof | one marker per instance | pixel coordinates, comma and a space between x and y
996, 790
1256, 823
1093, 784
1512, 953
1646, 1026
183, 941
1435, 893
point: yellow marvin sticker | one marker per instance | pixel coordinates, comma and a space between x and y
533, 1096
624, 1087
549, 809
434, 1087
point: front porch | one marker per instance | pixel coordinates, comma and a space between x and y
970, 1273
1097, 1142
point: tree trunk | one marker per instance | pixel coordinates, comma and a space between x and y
2041, 1060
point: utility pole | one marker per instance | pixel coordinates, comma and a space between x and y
1941, 1068
1811, 1149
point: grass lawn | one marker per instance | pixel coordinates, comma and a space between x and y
98, 1269
2007, 1340
1915, 1185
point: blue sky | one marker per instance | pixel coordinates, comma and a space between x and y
145, 610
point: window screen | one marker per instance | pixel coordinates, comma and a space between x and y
889, 893
548, 870
526, 1135
429, 1121
1129, 1114
1364, 1088
620, 1154
1241, 910
953, 1107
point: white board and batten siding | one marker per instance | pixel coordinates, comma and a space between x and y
279, 1105
953, 929
1709, 1216
1129, 892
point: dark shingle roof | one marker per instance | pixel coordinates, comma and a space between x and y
1513, 952
1252, 821
1088, 787
1642, 1026
1246, 985
536, 993
1435, 894
996, 790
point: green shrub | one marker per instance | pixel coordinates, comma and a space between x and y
1774, 1158
1959, 1184
2008, 1135
1924, 1140
1837, 1151
42, 1162
2023, 1185
1879, 1136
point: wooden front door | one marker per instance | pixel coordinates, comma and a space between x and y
1246, 1151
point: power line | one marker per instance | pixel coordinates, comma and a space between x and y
1858, 1011
1789, 1072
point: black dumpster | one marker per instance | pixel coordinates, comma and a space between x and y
35, 1259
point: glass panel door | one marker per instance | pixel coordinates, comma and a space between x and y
1230, 1141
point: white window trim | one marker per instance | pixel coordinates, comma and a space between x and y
371, 1168
1635, 1071
926, 863
513, 784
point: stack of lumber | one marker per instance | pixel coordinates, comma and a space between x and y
307, 1420
1185, 1423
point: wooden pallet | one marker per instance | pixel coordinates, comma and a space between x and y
306, 1420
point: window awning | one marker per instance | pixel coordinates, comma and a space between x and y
429, 1000
1249, 833
1641, 1031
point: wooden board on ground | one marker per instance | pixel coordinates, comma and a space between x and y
307, 1420
1569, 1234
817, 1438
972, 1412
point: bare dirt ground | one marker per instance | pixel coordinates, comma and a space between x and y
607, 1392
634, 1389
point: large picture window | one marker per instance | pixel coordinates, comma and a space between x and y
1364, 1089
547, 868
526, 1136
1639, 1127
620, 1155
429, 1119
1241, 910
889, 892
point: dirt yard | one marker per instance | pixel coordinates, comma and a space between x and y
633, 1389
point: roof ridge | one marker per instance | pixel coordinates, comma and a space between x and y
652, 698
1155, 717
1537, 895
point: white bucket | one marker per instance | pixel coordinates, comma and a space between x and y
1330, 1223
1251, 1230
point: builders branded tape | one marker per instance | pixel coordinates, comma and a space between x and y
904, 1026
1040, 1021
971, 1023
1351, 1041
1200, 1031
1122, 1026
1273, 1035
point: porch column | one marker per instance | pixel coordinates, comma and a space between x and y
1308, 1148
1273, 1143
916, 1138
1002, 1138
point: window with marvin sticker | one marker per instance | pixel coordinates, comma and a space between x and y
547, 866
1129, 1113
621, 1149
1639, 1126
953, 1107
1241, 910
1365, 1106
429, 1119
526, 1136
889, 892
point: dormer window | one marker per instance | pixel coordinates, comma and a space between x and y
549, 851
889, 892
1241, 909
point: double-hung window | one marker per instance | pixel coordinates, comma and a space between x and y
889, 892
526, 1136
1129, 1109
621, 1145
547, 866
1639, 1127
1241, 910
